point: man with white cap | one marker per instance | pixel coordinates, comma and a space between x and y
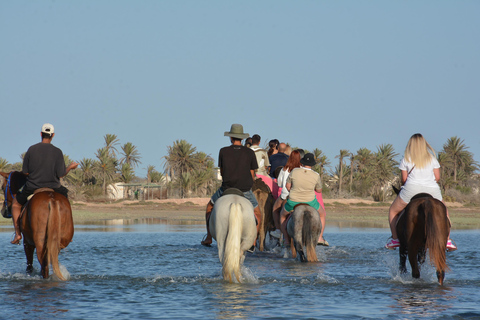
44, 165
237, 165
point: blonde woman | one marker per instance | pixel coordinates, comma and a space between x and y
420, 174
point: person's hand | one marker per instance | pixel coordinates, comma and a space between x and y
73, 165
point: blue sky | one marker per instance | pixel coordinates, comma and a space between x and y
316, 74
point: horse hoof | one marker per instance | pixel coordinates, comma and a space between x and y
29, 269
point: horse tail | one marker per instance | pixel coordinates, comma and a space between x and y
53, 237
435, 240
308, 237
231, 256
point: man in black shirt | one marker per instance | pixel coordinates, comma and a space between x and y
237, 165
44, 166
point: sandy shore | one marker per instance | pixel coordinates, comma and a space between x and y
340, 212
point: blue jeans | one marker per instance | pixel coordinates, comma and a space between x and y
248, 194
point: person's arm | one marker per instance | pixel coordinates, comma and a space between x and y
319, 190
253, 174
71, 166
288, 186
436, 172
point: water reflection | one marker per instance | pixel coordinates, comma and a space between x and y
426, 300
234, 301
140, 225
47, 302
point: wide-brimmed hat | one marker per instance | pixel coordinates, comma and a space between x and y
236, 131
308, 160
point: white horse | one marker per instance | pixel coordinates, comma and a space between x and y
304, 228
232, 225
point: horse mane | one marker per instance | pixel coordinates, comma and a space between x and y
259, 184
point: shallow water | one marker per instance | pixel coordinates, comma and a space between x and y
158, 271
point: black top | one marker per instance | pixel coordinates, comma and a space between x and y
45, 166
235, 163
277, 160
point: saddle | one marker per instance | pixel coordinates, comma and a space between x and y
24, 207
233, 191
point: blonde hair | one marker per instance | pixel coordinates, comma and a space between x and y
418, 151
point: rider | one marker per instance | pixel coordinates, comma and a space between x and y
237, 165
44, 166
420, 174
278, 159
302, 183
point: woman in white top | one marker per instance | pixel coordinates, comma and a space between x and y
292, 163
420, 174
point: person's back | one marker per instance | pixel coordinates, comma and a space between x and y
45, 165
304, 182
235, 163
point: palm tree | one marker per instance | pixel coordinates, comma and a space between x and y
4, 165
111, 142
353, 164
455, 149
130, 155
181, 159
343, 154
127, 173
385, 169
88, 171
321, 162
106, 167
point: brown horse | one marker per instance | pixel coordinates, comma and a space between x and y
265, 202
46, 223
423, 226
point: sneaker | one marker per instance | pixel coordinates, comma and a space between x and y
451, 246
392, 244
276, 234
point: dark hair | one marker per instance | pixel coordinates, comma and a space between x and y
248, 142
273, 144
293, 161
46, 135
235, 139
256, 139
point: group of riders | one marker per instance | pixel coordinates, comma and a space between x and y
287, 173
292, 181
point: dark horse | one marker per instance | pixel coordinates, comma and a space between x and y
46, 223
423, 225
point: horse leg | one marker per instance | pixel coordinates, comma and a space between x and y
42, 258
403, 258
29, 255
421, 255
412, 257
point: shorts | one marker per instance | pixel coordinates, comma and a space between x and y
291, 204
409, 191
22, 195
248, 194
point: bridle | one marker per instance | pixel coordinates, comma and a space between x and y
7, 189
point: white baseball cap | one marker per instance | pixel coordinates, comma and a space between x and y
47, 128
